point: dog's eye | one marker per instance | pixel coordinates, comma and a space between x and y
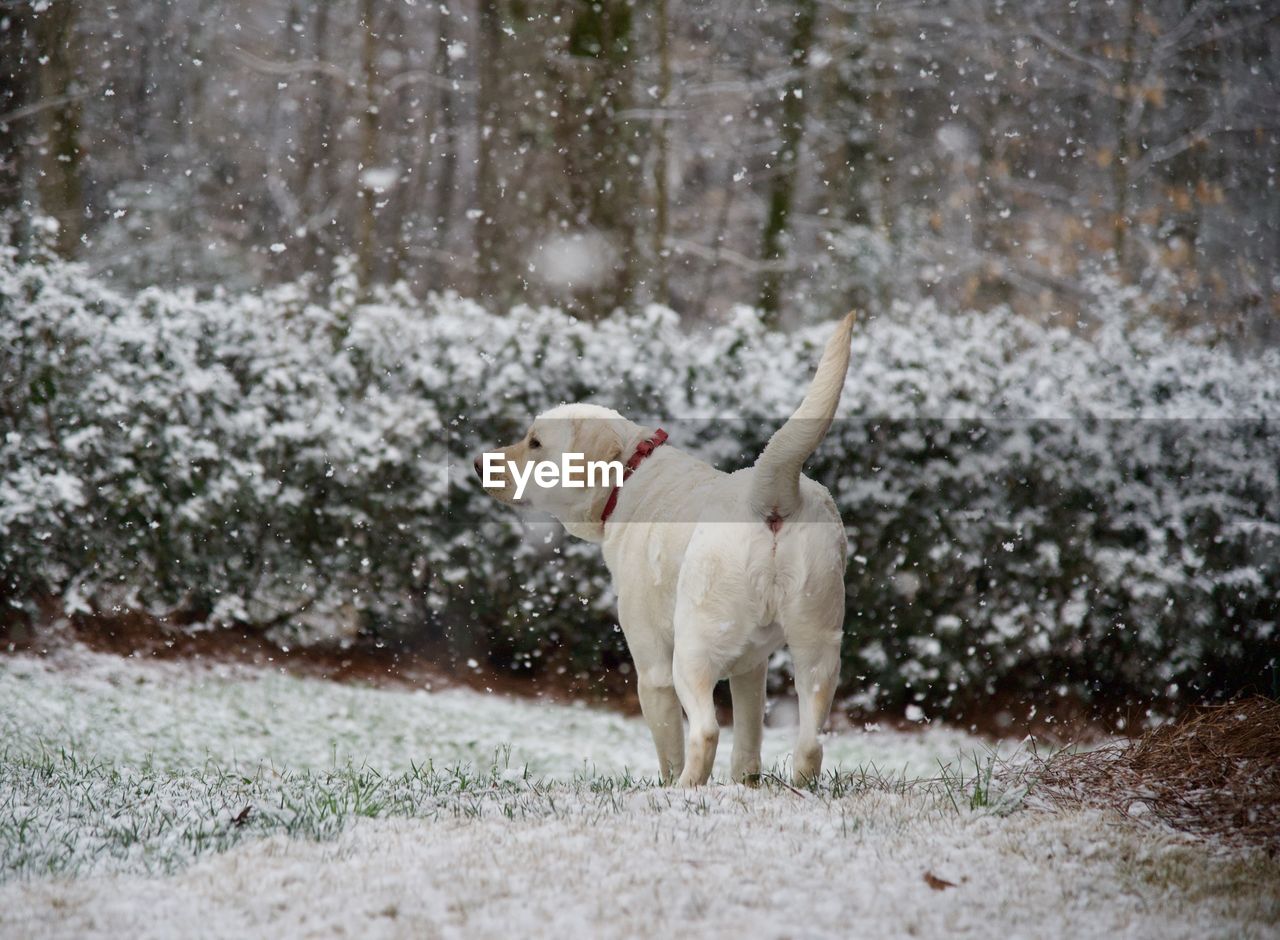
534, 443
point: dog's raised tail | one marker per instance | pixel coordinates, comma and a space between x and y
775, 487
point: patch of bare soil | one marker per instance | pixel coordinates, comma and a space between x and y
1215, 773
364, 660
371, 662
1003, 715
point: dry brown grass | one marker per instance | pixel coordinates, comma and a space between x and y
1215, 773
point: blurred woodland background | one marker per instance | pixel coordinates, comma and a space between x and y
800, 156
263, 266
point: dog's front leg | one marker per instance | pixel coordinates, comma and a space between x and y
661, 710
747, 689
648, 638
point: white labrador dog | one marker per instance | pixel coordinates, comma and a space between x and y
714, 572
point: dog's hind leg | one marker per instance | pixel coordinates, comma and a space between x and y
747, 689
813, 626
817, 668
695, 682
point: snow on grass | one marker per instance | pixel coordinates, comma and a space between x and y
177, 717
720, 863
112, 764
148, 799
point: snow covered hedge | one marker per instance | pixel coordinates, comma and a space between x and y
1028, 509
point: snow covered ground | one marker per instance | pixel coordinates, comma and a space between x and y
161, 799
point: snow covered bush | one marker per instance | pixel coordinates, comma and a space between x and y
1029, 510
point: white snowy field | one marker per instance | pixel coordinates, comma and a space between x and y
159, 799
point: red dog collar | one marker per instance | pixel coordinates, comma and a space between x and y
643, 450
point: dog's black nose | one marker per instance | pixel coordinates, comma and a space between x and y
479, 470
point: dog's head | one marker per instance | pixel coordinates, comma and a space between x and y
519, 474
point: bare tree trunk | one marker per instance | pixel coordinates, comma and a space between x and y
858, 159
1126, 146
616, 206
59, 185
851, 163
598, 143
447, 178
368, 145
315, 188
727, 193
17, 56
186, 110
883, 111
661, 194
405, 145
782, 193
488, 195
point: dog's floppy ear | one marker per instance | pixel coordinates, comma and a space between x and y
598, 439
